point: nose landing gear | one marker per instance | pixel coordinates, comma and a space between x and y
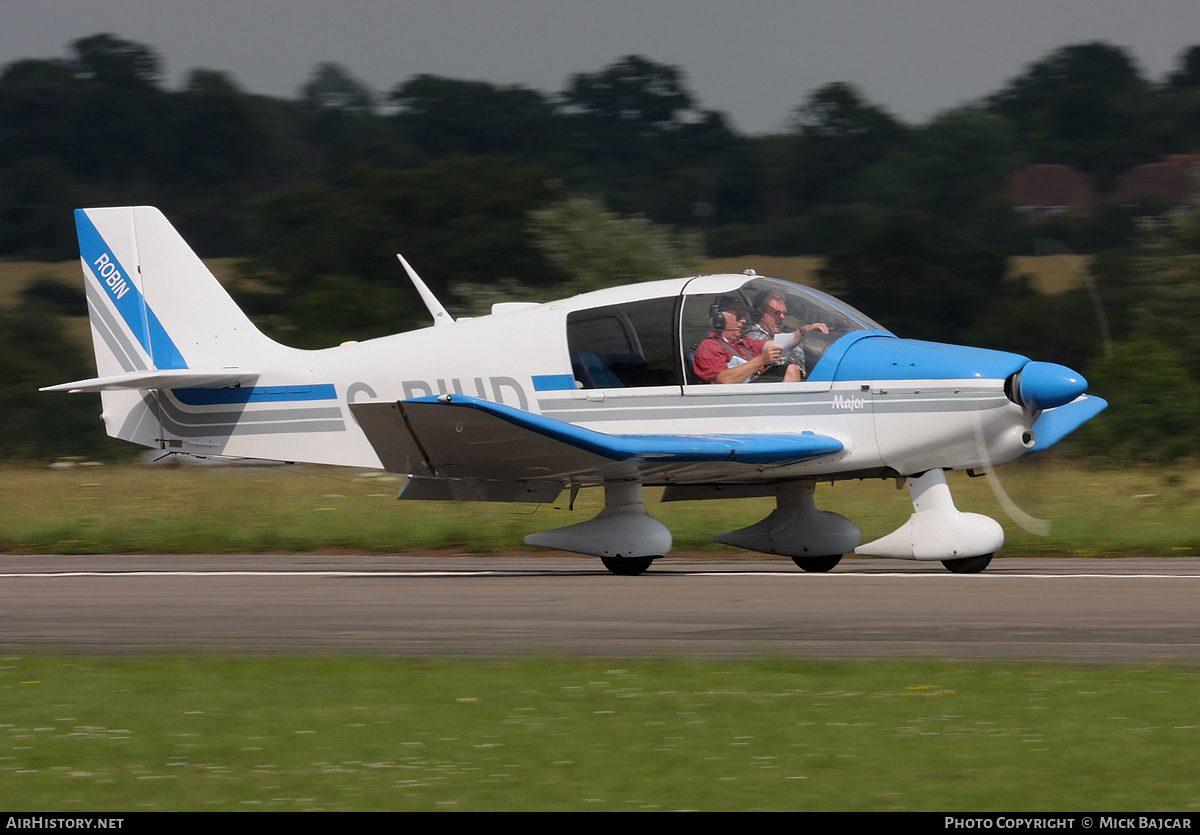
937, 530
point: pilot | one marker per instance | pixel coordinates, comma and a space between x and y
773, 307
725, 356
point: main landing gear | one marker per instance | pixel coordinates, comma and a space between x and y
814, 539
624, 536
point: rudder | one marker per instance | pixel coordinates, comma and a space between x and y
154, 306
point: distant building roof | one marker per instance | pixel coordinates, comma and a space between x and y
1174, 179
1051, 189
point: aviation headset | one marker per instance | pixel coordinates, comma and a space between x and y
724, 303
760, 303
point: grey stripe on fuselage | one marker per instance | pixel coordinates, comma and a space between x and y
188, 417
680, 408
111, 331
186, 424
226, 424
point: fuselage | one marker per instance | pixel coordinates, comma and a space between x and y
897, 406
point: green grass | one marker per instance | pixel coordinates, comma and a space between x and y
132, 509
203, 733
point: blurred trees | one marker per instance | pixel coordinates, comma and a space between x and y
837, 135
595, 248
1153, 404
98, 127
592, 248
445, 116
35, 352
1151, 376
949, 168
479, 185
1165, 302
332, 88
457, 220
918, 278
639, 113
1082, 105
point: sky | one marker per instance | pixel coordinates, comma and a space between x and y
754, 60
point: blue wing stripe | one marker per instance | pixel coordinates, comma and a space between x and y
743, 449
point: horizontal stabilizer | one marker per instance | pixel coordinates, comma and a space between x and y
170, 379
463, 436
1055, 424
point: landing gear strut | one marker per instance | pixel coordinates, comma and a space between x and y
814, 539
624, 536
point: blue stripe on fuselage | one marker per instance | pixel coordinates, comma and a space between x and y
553, 382
254, 394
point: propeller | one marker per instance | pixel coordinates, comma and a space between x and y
1027, 522
1044, 385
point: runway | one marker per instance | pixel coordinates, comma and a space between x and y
1089, 611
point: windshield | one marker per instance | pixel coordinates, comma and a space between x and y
772, 307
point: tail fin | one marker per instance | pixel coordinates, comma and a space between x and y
159, 318
182, 368
158, 306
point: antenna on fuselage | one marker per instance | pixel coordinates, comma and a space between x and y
440, 316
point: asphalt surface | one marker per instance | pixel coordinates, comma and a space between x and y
1089, 611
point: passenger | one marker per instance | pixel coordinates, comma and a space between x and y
724, 356
773, 306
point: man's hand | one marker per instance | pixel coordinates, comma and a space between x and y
742, 373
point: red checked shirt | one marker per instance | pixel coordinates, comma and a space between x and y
714, 353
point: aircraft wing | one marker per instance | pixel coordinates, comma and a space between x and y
459, 436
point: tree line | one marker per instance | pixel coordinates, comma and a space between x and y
100, 126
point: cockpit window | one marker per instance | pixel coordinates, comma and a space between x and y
771, 307
653, 342
625, 345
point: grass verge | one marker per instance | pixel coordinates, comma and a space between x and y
138, 509
336, 734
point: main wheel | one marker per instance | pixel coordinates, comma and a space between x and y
627, 566
968, 565
818, 564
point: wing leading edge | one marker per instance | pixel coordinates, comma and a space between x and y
459, 436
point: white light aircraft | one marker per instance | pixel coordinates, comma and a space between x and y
601, 389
